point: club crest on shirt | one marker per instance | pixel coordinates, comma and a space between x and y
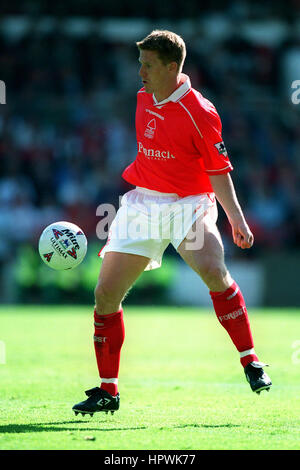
220, 146
150, 129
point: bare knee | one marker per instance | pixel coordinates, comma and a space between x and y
215, 275
107, 298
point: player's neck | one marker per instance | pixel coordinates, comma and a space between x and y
163, 94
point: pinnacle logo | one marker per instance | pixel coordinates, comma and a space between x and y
150, 129
153, 154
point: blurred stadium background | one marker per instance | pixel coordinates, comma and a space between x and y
67, 131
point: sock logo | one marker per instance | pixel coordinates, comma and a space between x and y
232, 315
100, 339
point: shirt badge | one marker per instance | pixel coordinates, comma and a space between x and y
150, 129
220, 146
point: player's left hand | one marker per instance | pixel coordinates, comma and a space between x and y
241, 233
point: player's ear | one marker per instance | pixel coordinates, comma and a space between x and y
173, 67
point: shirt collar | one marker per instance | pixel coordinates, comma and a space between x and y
178, 93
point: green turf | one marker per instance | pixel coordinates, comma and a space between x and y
181, 383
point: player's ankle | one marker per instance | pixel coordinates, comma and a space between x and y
248, 356
111, 388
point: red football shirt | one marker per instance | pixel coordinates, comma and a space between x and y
179, 143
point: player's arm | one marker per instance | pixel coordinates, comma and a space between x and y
225, 194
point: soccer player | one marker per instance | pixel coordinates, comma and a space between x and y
181, 168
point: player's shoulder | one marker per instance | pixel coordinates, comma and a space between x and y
200, 107
142, 90
143, 98
143, 95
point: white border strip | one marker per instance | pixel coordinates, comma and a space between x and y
221, 169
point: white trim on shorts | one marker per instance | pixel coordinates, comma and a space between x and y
154, 193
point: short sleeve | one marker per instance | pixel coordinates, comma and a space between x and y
211, 146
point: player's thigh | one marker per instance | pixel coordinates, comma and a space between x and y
118, 272
209, 258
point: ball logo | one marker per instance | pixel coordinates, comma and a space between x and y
48, 256
62, 245
65, 243
71, 237
57, 233
72, 253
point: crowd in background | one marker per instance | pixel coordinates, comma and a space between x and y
67, 130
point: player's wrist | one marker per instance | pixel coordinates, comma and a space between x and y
236, 218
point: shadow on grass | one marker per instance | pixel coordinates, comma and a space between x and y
56, 427
51, 427
229, 425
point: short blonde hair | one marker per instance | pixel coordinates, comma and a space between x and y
169, 46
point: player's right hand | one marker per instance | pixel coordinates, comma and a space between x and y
241, 234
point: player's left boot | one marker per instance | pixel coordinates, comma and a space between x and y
257, 377
98, 400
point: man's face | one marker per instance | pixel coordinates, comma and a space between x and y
155, 75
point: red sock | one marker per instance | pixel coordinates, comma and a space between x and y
108, 340
231, 311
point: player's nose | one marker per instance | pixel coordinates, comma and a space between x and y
142, 72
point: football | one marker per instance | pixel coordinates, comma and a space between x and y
62, 245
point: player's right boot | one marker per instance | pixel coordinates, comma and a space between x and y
257, 377
98, 400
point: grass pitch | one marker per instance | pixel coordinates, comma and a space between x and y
181, 383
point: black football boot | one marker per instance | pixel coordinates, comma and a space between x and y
257, 377
98, 400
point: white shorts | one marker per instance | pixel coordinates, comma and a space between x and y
148, 221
